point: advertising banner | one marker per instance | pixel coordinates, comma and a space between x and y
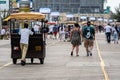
2, 1
69, 16
83, 17
45, 10
92, 18
55, 14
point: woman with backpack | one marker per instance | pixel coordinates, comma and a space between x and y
55, 31
115, 34
75, 37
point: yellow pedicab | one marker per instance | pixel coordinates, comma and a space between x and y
36, 47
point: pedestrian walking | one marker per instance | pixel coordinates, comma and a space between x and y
108, 31
55, 31
75, 37
67, 36
112, 32
36, 28
24, 40
118, 31
7, 34
3, 33
115, 34
88, 33
50, 33
62, 32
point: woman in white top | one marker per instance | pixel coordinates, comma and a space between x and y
62, 33
3, 33
115, 34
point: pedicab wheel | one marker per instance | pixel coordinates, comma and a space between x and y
41, 60
14, 60
32, 60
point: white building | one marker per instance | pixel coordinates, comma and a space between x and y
4, 4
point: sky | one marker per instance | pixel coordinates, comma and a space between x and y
113, 4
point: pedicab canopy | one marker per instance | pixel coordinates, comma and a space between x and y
26, 16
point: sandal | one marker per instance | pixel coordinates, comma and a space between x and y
71, 53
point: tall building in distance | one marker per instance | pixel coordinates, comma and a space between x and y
73, 10
71, 6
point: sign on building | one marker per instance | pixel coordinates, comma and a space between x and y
55, 14
69, 16
45, 10
2, 1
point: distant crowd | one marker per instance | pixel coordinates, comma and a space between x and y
62, 31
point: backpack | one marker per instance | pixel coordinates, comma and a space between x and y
55, 29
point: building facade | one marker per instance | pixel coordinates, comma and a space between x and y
4, 5
71, 6
20, 5
87, 9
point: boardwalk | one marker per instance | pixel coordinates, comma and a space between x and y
59, 65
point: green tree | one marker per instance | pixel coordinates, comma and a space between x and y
116, 15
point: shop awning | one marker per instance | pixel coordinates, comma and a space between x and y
26, 16
55, 14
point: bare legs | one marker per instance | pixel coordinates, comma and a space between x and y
88, 50
77, 50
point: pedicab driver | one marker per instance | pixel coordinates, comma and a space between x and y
24, 39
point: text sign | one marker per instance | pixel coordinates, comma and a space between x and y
2, 2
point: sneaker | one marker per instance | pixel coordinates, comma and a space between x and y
77, 55
90, 54
87, 53
117, 42
71, 53
23, 63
